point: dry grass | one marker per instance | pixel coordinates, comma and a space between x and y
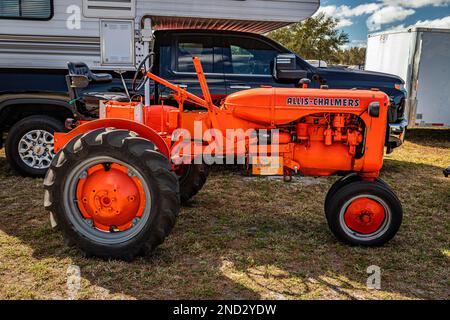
246, 239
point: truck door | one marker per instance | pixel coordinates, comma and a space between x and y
177, 66
248, 63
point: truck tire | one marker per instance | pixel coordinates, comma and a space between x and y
112, 194
364, 213
29, 145
192, 178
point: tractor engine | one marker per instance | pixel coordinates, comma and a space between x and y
321, 132
340, 136
329, 129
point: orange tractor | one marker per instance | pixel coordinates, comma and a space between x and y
116, 184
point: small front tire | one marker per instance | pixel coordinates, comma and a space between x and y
346, 180
364, 213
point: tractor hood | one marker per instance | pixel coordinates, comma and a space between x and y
279, 106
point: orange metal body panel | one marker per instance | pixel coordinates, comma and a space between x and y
61, 139
321, 131
319, 159
270, 106
117, 110
324, 146
163, 119
268, 166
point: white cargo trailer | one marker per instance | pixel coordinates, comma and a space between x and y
110, 34
420, 56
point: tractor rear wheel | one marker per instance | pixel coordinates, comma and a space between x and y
112, 194
192, 178
364, 213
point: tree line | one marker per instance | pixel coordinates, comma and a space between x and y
318, 38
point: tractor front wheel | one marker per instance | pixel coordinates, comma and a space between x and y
346, 180
364, 213
112, 194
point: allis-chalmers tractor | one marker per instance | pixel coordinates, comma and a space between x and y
116, 184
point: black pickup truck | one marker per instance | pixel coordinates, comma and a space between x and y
34, 103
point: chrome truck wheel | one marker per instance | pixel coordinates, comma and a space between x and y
30, 144
36, 149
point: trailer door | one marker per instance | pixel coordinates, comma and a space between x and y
433, 94
389, 53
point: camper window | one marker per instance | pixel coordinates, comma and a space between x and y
26, 9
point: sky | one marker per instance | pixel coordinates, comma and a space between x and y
359, 18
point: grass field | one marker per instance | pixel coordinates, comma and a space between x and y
246, 238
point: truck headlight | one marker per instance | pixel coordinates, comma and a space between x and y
400, 86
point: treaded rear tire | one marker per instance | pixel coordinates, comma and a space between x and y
139, 153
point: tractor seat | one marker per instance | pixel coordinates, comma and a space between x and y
80, 68
108, 96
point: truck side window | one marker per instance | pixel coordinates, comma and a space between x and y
26, 9
194, 46
248, 56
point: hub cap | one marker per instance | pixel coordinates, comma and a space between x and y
365, 217
111, 196
36, 149
107, 200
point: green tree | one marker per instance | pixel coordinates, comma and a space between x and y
352, 56
315, 38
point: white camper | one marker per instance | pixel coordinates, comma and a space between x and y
109, 34
420, 56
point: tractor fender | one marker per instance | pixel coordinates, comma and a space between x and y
61, 139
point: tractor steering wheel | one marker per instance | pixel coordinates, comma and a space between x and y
140, 78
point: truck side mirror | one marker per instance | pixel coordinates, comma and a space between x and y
285, 68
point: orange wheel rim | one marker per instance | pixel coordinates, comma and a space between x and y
365, 216
111, 196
